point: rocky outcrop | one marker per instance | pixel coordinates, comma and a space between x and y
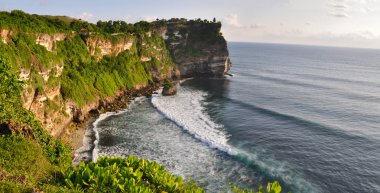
198, 48
204, 66
173, 73
24, 74
145, 59
100, 47
5, 35
56, 113
48, 41
169, 91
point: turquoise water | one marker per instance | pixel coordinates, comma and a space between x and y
306, 116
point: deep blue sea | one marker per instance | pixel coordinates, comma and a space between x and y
306, 116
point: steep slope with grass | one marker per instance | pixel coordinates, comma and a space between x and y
28, 154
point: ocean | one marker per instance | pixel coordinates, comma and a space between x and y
306, 116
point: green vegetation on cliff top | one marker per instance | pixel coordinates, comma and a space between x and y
85, 78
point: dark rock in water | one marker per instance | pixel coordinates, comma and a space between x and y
169, 91
229, 74
149, 93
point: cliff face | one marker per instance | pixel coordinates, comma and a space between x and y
198, 48
42, 90
48, 41
100, 47
68, 75
5, 35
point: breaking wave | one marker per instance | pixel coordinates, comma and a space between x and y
186, 109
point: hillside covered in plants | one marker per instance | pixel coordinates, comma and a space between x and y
69, 68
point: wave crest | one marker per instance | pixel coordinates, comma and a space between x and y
186, 109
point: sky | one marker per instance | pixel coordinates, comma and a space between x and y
343, 23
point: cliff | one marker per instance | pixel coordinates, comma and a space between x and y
72, 70
55, 71
66, 77
197, 47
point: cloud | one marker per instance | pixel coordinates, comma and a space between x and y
347, 8
366, 5
339, 8
86, 16
339, 15
364, 39
149, 18
256, 26
232, 20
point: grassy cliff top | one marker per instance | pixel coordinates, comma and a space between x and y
20, 21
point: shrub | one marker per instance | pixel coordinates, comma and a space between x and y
24, 167
274, 187
115, 174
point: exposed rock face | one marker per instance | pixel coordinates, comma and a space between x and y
24, 74
199, 49
173, 73
56, 113
145, 59
5, 35
100, 47
48, 41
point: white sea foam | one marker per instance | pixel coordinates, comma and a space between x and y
187, 110
91, 137
184, 80
95, 152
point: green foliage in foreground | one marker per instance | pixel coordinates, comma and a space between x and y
113, 174
274, 187
24, 167
29, 157
116, 174
11, 110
